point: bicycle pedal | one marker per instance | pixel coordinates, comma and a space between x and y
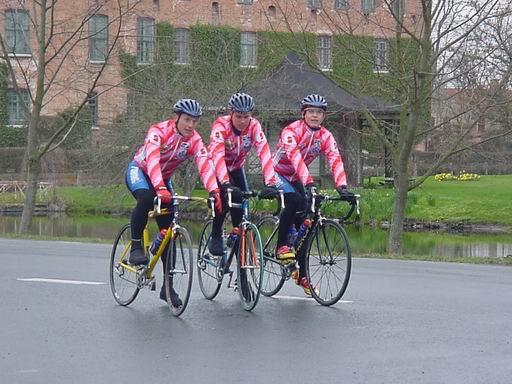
153, 286
235, 283
290, 268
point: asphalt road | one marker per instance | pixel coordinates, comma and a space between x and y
399, 322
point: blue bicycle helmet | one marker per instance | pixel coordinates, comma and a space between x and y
189, 107
241, 102
314, 100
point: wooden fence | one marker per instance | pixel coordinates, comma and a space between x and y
19, 187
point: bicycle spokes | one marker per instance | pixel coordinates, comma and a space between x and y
329, 262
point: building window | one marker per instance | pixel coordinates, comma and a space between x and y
98, 37
248, 2
397, 7
92, 101
272, 13
248, 49
341, 4
156, 5
145, 40
17, 32
16, 114
181, 46
315, 4
324, 52
367, 6
380, 55
215, 13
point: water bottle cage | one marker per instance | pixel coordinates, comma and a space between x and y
299, 241
231, 240
301, 235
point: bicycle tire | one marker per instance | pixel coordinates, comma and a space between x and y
209, 282
179, 270
328, 257
273, 277
123, 283
249, 267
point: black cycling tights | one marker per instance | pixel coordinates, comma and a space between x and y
237, 179
293, 203
139, 217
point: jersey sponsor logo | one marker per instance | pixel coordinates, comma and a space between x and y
246, 142
334, 146
260, 137
229, 145
203, 152
134, 175
182, 152
217, 136
289, 139
155, 139
315, 148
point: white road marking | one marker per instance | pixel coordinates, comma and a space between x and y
307, 298
60, 281
23, 371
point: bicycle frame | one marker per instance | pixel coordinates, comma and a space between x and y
245, 215
317, 219
148, 273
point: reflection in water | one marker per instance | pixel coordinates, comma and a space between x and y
480, 250
368, 240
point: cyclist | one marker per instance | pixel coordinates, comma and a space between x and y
299, 144
231, 139
166, 146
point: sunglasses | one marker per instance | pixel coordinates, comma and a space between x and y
313, 111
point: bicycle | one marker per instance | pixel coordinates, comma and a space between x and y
327, 250
246, 246
127, 280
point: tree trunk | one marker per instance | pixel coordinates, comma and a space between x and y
189, 178
34, 169
397, 220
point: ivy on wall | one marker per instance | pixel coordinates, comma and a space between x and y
4, 118
9, 136
215, 56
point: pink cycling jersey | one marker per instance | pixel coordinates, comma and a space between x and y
229, 150
164, 149
299, 145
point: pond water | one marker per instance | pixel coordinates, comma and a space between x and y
367, 240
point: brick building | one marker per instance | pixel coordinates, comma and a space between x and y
137, 32
99, 29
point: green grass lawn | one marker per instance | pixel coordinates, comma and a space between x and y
488, 200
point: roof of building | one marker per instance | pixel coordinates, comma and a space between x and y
283, 88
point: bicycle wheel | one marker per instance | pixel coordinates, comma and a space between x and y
209, 281
273, 278
178, 271
328, 262
249, 267
123, 282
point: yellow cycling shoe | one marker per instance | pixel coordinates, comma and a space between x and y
304, 283
285, 254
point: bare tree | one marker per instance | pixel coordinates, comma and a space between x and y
435, 44
56, 53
